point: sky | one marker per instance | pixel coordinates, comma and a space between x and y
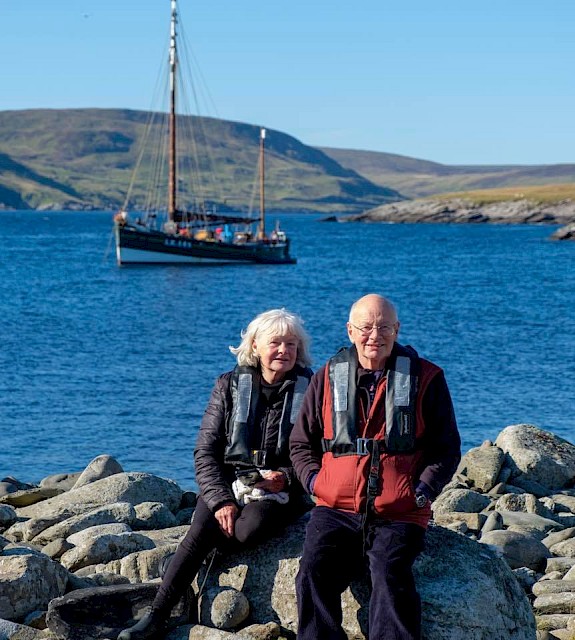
452, 81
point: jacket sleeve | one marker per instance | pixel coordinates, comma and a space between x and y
306, 436
211, 475
442, 444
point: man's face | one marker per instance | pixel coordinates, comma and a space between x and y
373, 330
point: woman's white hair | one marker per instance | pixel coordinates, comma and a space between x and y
275, 322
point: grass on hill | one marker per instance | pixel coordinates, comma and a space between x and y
543, 194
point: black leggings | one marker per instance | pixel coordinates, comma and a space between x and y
255, 522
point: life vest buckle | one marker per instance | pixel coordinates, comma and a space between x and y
364, 446
259, 457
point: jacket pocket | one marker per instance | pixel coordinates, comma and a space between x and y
335, 485
398, 491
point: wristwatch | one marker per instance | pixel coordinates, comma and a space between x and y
420, 500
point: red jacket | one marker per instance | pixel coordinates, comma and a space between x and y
341, 481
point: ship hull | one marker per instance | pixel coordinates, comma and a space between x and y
144, 246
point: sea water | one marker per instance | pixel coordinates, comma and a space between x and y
100, 359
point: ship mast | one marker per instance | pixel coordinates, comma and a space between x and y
172, 118
262, 225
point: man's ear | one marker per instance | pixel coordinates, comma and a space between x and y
349, 332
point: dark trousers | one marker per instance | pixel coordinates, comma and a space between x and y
336, 550
256, 521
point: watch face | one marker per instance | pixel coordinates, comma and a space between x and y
420, 501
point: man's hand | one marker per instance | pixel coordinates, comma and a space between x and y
273, 481
226, 517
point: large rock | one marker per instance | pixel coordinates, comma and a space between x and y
519, 549
28, 581
224, 609
29, 496
122, 487
12, 631
104, 548
101, 467
467, 592
63, 481
481, 466
100, 612
140, 566
7, 516
542, 456
153, 515
464, 500
118, 512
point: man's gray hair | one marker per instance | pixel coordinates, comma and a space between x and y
275, 322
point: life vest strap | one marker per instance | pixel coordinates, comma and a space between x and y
361, 447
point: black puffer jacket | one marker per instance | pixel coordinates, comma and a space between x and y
213, 475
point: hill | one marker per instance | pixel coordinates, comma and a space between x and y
84, 158
420, 178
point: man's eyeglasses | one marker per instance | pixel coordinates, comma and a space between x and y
382, 329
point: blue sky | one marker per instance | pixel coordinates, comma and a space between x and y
457, 82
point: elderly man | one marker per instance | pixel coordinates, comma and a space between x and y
375, 442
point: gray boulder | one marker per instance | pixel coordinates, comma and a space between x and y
82, 537
101, 467
12, 631
224, 609
522, 502
482, 466
98, 613
8, 516
558, 536
464, 500
119, 512
140, 566
529, 522
153, 515
104, 548
121, 487
29, 496
519, 549
467, 592
63, 481
542, 456
28, 581
565, 549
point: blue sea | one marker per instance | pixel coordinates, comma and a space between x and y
99, 359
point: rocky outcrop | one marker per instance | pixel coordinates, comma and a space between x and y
466, 590
499, 560
459, 210
565, 233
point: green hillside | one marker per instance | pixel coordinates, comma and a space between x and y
420, 178
84, 159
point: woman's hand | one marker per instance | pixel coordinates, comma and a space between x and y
226, 517
274, 481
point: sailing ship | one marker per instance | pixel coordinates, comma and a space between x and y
178, 234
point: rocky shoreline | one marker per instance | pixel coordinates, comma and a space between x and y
462, 211
81, 555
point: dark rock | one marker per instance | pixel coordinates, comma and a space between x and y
100, 612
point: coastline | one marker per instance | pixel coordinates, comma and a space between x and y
467, 211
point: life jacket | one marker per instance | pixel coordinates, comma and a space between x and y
400, 402
377, 457
245, 390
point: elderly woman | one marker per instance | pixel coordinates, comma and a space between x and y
248, 488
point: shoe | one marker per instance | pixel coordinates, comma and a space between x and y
152, 626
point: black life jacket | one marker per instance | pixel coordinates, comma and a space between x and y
245, 391
400, 403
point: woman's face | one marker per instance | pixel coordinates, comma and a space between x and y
277, 355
